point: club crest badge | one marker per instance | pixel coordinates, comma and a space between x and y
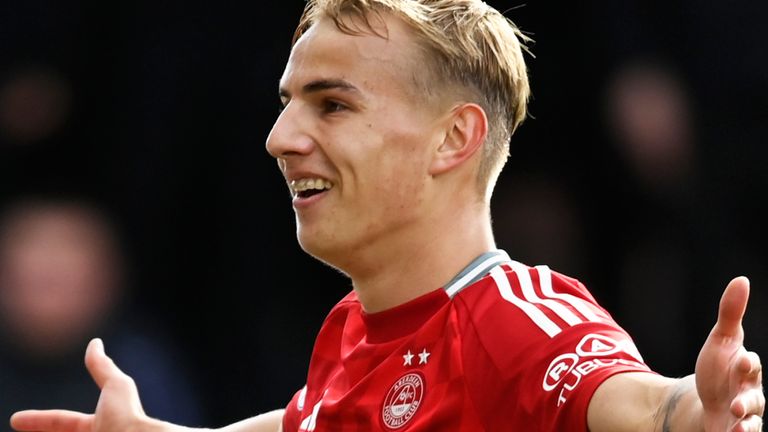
403, 400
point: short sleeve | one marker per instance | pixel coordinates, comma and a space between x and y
292, 416
535, 347
565, 373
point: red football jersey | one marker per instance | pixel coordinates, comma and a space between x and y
503, 347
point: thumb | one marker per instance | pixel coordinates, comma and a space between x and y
119, 395
101, 367
733, 305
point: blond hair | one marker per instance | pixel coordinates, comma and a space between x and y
468, 43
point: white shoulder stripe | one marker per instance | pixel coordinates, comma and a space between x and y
479, 269
537, 316
526, 283
545, 281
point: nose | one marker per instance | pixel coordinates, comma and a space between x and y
290, 135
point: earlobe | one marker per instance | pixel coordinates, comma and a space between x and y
466, 133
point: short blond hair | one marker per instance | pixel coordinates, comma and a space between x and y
468, 43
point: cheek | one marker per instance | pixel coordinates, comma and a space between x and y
401, 168
383, 160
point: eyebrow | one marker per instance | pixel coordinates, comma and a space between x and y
322, 85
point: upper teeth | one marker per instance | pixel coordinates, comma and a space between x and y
302, 185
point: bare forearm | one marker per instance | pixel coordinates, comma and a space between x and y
267, 422
645, 402
154, 425
680, 409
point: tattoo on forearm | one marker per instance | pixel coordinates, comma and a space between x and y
669, 408
681, 389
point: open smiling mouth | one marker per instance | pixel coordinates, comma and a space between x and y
305, 188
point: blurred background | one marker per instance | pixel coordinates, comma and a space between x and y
138, 203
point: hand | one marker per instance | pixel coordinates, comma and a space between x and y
728, 377
118, 409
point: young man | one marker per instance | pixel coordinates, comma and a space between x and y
397, 120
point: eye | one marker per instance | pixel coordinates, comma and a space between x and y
282, 105
331, 106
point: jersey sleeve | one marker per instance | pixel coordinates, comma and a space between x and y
292, 416
565, 373
534, 355
332, 324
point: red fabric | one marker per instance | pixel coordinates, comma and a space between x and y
490, 366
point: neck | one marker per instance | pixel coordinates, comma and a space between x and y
422, 259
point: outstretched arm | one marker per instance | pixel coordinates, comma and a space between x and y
725, 394
119, 408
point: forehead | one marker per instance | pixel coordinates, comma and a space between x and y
367, 60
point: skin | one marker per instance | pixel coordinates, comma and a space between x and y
724, 394
351, 119
392, 163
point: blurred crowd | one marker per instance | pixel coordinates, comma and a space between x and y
139, 205
664, 196
63, 281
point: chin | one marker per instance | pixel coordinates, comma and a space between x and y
324, 251
315, 246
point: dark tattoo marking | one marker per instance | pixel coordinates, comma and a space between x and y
681, 389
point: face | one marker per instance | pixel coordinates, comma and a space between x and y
354, 141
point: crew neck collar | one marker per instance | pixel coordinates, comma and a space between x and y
404, 319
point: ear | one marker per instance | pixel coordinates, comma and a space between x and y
467, 129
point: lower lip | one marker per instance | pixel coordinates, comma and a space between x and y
300, 203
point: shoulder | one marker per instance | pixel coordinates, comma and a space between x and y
336, 319
518, 313
538, 299
540, 335
349, 301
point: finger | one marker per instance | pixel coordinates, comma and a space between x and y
751, 424
749, 367
51, 421
733, 304
750, 402
101, 367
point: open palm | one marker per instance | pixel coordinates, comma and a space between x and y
728, 377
